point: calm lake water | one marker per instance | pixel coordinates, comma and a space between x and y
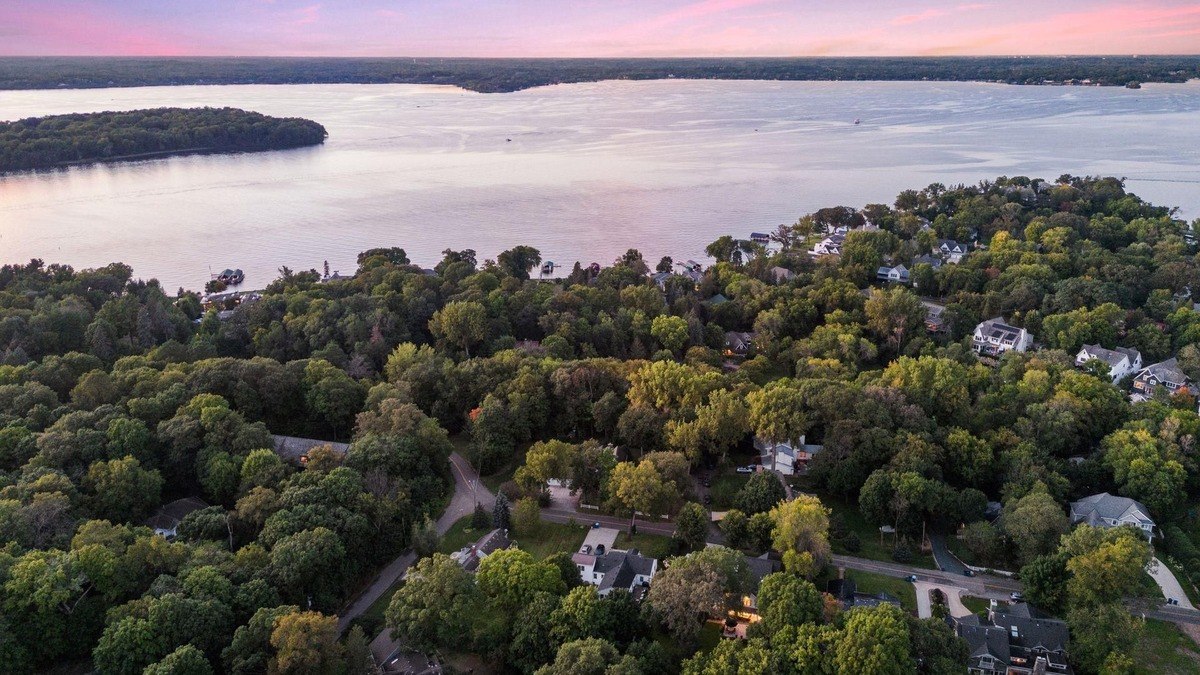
582, 172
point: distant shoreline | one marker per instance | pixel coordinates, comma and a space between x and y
510, 75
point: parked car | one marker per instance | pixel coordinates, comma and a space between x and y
745, 469
968, 573
707, 499
912, 578
596, 525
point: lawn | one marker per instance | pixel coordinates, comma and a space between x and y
652, 545
724, 488
869, 582
550, 538
1165, 649
868, 536
494, 480
461, 535
1188, 588
976, 605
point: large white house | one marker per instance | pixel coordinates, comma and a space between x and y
607, 570
786, 458
1121, 361
1105, 510
994, 337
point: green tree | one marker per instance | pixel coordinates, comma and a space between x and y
691, 526
306, 643
187, 660
511, 577
787, 600
637, 488
1045, 581
801, 533
591, 656
436, 605
895, 316
526, 516
875, 640
735, 527
1034, 523
777, 413
121, 490
760, 494
461, 323
670, 331
938, 385
1146, 468
517, 261
695, 585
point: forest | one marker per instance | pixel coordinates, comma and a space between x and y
118, 396
506, 75
82, 138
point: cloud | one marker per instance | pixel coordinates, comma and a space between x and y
306, 15
906, 19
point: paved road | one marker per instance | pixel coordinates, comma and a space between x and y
953, 599
1170, 586
560, 515
942, 556
467, 489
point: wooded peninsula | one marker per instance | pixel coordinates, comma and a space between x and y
506, 75
59, 140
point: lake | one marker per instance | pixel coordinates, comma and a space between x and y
582, 172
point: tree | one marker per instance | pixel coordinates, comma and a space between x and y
760, 494
694, 586
1034, 523
461, 323
517, 261
801, 532
526, 516
1146, 468
531, 644
435, 606
186, 660
262, 468
1104, 563
735, 526
545, 461
787, 600
875, 640
580, 615
938, 385
121, 490
511, 577
425, 538
935, 647
1045, 581
306, 643
1098, 631
894, 315
591, 656
777, 413
357, 650
501, 512
637, 488
670, 331
691, 526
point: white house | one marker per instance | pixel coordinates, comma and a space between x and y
786, 458
994, 337
951, 251
896, 275
165, 523
831, 245
608, 570
1105, 510
1121, 361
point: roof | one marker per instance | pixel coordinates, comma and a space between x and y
951, 245
761, 566
619, 568
998, 329
171, 514
293, 448
1110, 356
1035, 630
489, 543
1165, 371
735, 340
1105, 506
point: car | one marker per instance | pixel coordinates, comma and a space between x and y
1017, 596
912, 578
968, 573
745, 469
596, 525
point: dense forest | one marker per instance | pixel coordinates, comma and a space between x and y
58, 140
116, 397
502, 75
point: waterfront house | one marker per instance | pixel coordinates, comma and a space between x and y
1166, 374
1019, 640
1120, 361
1105, 510
660, 279
831, 245
760, 238
781, 275
995, 337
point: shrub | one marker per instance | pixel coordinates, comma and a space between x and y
902, 553
852, 543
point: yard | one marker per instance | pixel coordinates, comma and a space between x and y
871, 544
724, 488
869, 582
1164, 648
651, 545
550, 538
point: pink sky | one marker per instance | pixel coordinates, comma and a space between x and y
596, 27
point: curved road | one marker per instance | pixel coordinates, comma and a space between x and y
467, 489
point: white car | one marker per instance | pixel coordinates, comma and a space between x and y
745, 469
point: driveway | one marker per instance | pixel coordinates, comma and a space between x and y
1170, 586
467, 490
953, 599
601, 536
943, 557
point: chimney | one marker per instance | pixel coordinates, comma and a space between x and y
842, 573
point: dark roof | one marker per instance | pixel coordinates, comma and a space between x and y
489, 543
761, 566
620, 567
171, 513
292, 447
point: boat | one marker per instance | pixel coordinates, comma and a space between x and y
857, 121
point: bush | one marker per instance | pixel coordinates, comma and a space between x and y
852, 543
902, 553
837, 527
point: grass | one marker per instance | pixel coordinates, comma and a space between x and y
460, 535
976, 605
868, 536
652, 545
1164, 648
724, 488
372, 619
710, 637
1189, 588
869, 582
550, 538
494, 480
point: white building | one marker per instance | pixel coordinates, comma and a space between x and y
786, 458
1105, 510
1121, 361
994, 337
608, 570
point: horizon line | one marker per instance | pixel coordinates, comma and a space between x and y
930, 57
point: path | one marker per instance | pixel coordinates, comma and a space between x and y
945, 560
467, 489
953, 599
1171, 588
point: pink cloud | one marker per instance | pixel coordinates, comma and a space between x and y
906, 19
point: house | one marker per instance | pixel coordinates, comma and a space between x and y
608, 570
994, 337
951, 251
717, 300
745, 607
846, 592
760, 238
1016, 641
166, 521
1121, 361
788, 459
738, 344
895, 275
831, 245
935, 317
1166, 374
294, 449
660, 280
926, 259
1105, 510
781, 275
470, 557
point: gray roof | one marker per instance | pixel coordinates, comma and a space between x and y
761, 566
1164, 371
172, 513
1092, 509
738, 341
292, 447
1110, 356
489, 543
997, 328
620, 567
951, 246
